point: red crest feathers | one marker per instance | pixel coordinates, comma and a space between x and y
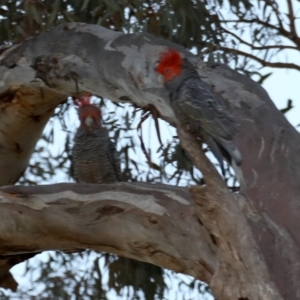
170, 64
86, 108
86, 100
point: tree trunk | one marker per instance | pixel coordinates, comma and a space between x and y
245, 245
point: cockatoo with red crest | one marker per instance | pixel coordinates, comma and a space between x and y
196, 108
94, 157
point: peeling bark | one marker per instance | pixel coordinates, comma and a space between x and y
145, 222
151, 223
256, 233
238, 274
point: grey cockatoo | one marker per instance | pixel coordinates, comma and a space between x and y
94, 158
196, 108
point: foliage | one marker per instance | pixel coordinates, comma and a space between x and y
185, 22
217, 30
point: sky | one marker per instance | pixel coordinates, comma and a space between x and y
284, 84
281, 86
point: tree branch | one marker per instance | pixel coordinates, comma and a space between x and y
266, 47
200, 161
292, 19
39, 73
263, 62
151, 223
215, 202
280, 30
274, 7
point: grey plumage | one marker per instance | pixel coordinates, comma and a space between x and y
199, 111
95, 158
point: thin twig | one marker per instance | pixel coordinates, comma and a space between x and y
280, 30
276, 11
292, 18
268, 47
263, 62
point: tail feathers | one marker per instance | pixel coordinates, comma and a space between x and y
217, 152
232, 151
224, 149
